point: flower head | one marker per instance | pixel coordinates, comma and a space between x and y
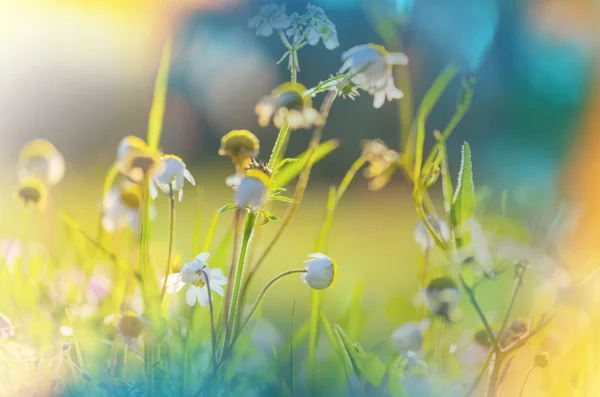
254, 186
422, 237
195, 274
320, 271
172, 177
7, 330
137, 160
370, 68
32, 192
241, 146
289, 104
130, 326
39, 159
313, 26
271, 17
121, 207
442, 296
382, 163
409, 337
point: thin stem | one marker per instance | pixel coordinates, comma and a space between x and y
228, 292
521, 394
475, 304
262, 295
282, 139
424, 280
213, 332
170, 251
484, 368
512, 303
300, 188
239, 274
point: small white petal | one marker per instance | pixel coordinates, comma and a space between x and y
191, 296
174, 283
217, 289
202, 257
318, 255
188, 175
202, 296
396, 58
180, 195
378, 99
153, 190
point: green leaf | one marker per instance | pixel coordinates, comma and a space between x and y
157, 111
429, 101
463, 204
293, 169
352, 319
268, 216
228, 207
365, 364
277, 191
284, 162
283, 198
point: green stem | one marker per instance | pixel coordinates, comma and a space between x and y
482, 317
239, 275
170, 250
521, 394
213, 331
279, 147
262, 295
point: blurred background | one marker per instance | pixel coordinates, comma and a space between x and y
81, 75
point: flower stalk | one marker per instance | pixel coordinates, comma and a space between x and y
170, 249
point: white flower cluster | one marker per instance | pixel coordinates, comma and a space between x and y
308, 28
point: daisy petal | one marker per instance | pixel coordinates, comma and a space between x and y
202, 296
203, 256
174, 283
188, 175
191, 296
396, 58
217, 289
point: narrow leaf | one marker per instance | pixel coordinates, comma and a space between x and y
463, 204
227, 207
157, 111
292, 169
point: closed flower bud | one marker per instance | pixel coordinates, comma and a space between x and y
66, 347
240, 145
320, 271
254, 186
408, 337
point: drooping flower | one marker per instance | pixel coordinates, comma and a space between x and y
172, 177
289, 104
409, 337
381, 163
241, 146
121, 207
32, 192
137, 160
194, 274
254, 186
7, 330
422, 236
320, 271
442, 297
370, 68
39, 159
271, 17
312, 27
130, 326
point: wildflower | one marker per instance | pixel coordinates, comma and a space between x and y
129, 326
271, 17
442, 296
320, 271
7, 330
422, 236
382, 163
409, 337
313, 26
137, 160
288, 104
254, 186
541, 360
172, 177
241, 146
370, 68
39, 159
121, 207
194, 274
32, 192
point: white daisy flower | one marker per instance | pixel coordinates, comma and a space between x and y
289, 104
39, 159
442, 297
422, 237
173, 176
253, 187
320, 271
192, 274
370, 68
409, 337
121, 207
271, 17
137, 160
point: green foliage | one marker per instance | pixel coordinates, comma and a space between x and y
292, 169
463, 204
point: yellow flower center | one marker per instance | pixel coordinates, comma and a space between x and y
131, 197
334, 271
379, 48
261, 176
